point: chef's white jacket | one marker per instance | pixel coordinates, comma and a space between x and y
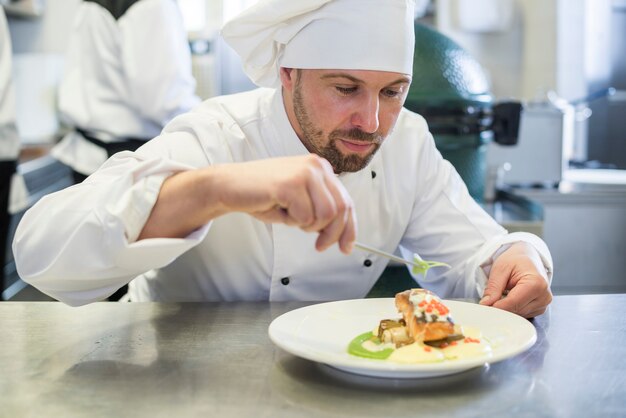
79, 245
128, 73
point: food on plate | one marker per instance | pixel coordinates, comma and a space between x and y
426, 332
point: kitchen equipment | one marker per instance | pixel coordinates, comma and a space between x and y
550, 139
542, 150
451, 91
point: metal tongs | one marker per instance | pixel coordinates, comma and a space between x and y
420, 266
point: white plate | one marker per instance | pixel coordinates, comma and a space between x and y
322, 332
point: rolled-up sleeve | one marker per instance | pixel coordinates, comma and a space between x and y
80, 244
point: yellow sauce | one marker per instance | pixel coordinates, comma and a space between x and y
464, 349
473, 345
416, 353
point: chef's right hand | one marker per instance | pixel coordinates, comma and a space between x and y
301, 191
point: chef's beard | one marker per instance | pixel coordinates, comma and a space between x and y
313, 139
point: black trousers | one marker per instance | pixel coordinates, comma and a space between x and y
7, 169
111, 148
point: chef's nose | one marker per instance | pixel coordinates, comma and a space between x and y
366, 116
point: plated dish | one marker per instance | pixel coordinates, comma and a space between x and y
323, 333
423, 331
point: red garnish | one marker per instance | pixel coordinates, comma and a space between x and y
434, 305
428, 349
471, 340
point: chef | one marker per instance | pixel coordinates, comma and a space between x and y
256, 196
127, 73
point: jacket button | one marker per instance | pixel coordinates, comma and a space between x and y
285, 281
367, 262
373, 174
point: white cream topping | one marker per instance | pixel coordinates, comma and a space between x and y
422, 300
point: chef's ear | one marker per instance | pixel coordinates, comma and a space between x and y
288, 78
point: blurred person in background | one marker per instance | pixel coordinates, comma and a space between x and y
12, 190
127, 74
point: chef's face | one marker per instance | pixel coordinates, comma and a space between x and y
343, 115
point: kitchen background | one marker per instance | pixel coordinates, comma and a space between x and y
564, 60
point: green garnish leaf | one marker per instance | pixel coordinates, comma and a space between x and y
423, 265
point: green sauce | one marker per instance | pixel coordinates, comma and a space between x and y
356, 347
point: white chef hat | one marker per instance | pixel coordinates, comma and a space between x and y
323, 34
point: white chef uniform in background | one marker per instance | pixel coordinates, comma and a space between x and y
407, 196
13, 193
127, 73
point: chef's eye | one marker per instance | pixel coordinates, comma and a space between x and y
391, 92
346, 90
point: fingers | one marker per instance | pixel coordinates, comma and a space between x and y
516, 301
339, 224
528, 295
342, 229
528, 299
314, 200
328, 200
497, 283
302, 197
347, 238
519, 273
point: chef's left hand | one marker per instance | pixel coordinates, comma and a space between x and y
519, 274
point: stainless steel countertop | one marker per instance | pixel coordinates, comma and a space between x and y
216, 359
